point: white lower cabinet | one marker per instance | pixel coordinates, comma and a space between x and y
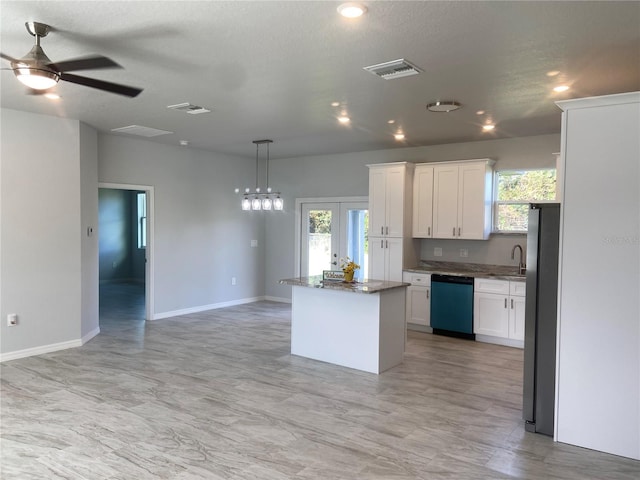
386, 260
498, 311
418, 309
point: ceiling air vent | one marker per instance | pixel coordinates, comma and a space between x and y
141, 131
394, 69
188, 108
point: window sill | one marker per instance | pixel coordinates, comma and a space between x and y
509, 234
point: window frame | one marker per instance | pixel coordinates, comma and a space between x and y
497, 203
141, 221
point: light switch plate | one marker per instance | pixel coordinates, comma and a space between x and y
464, 252
254, 243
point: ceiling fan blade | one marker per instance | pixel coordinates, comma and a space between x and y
7, 57
85, 63
101, 85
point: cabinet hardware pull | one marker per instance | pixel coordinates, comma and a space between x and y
387, 230
454, 231
386, 244
381, 230
427, 294
505, 303
512, 304
459, 229
429, 231
381, 243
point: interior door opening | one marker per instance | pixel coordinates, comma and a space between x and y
125, 242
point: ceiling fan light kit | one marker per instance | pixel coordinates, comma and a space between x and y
38, 72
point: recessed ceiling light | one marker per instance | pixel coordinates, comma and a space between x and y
351, 10
391, 122
344, 119
52, 96
184, 143
480, 112
443, 106
561, 88
335, 104
553, 73
488, 127
399, 136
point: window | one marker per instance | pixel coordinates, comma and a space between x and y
514, 191
141, 198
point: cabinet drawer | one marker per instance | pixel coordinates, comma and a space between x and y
518, 289
423, 279
485, 285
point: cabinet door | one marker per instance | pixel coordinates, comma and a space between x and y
471, 202
516, 318
394, 205
394, 259
377, 258
445, 201
418, 306
490, 315
377, 201
422, 202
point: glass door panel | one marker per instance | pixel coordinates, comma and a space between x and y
354, 237
321, 226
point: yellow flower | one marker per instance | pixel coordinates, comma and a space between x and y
347, 265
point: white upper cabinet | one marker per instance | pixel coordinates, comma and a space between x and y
423, 201
462, 199
390, 190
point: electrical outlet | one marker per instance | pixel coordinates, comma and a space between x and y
233, 280
437, 252
12, 319
254, 243
464, 252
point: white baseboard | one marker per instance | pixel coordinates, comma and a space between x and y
90, 335
507, 342
278, 299
30, 352
203, 308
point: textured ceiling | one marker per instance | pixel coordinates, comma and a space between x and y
271, 69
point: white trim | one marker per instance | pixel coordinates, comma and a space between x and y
150, 248
601, 101
90, 335
507, 342
30, 352
277, 299
202, 308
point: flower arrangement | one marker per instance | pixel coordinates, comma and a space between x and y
348, 266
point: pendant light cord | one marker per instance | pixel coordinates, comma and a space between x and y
257, 166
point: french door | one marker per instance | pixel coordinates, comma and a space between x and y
331, 231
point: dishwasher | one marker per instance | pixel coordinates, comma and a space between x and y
452, 306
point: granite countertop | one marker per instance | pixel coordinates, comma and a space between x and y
476, 270
364, 286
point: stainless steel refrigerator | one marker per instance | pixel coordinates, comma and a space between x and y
541, 317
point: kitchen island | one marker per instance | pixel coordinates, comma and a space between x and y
357, 325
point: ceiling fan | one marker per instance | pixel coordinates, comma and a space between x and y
39, 73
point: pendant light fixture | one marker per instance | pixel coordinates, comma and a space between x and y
257, 199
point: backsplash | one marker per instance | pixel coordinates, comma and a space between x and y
495, 251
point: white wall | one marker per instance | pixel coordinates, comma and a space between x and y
599, 324
202, 238
42, 264
347, 175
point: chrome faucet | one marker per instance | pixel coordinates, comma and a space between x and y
522, 268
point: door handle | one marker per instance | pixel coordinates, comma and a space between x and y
334, 263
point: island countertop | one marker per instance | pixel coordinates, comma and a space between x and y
364, 286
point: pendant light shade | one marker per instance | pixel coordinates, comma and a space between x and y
258, 199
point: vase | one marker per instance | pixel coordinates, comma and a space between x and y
348, 276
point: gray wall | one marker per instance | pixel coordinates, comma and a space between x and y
202, 238
44, 256
347, 175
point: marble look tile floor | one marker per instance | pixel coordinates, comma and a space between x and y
216, 395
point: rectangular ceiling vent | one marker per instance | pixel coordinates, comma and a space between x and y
189, 108
141, 131
393, 69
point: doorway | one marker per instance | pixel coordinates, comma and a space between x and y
331, 229
125, 217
